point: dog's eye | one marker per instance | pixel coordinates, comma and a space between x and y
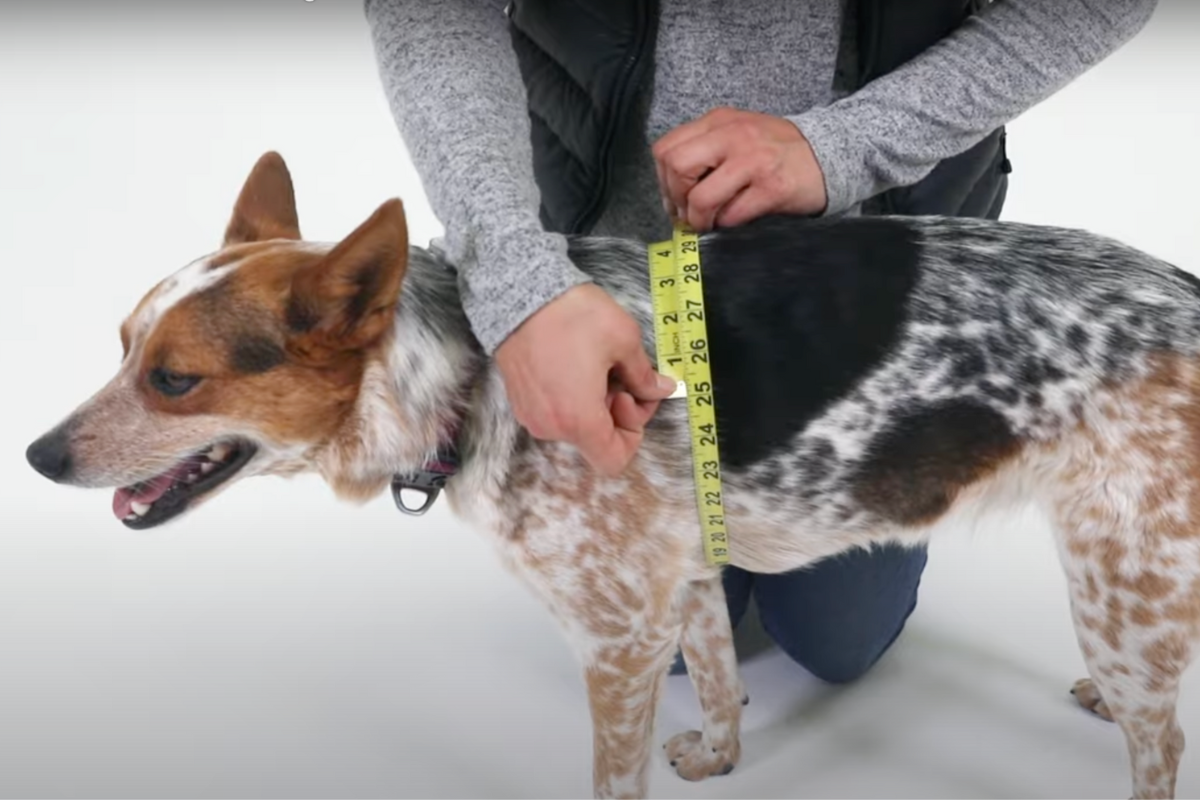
170, 383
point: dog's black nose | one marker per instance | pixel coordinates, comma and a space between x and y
51, 454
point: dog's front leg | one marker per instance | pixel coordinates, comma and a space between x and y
707, 645
624, 679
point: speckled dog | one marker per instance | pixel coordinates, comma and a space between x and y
872, 377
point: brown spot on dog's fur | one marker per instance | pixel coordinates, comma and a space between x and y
1114, 624
1111, 553
1145, 584
1154, 716
1143, 615
1186, 611
1152, 586
1080, 548
1166, 657
521, 480
1185, 608
919, 466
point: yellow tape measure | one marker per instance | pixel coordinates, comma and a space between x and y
681, 339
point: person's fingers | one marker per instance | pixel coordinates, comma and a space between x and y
697, 127
600, 441
638, 375
659, 149
707, 199
684, 131
629, 414
660, 172
686, 164
751, 203
577, 371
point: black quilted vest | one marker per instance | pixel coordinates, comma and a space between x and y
584, 61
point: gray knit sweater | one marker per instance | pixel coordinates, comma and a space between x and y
452, 80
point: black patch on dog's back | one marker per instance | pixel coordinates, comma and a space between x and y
799, 311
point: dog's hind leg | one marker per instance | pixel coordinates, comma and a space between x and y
1136, 628
707, 645
1127, 513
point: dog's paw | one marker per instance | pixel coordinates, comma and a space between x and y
694, 759
1088, 696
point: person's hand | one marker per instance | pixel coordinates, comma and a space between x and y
730, 166
557, 368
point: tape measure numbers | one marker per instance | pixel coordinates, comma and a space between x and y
681, 339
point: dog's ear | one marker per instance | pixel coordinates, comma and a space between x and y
266, 206
346, 301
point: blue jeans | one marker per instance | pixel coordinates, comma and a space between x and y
837, 618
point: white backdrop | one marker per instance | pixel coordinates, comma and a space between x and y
281, 644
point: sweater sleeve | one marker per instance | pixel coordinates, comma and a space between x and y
1000, 63
453, 84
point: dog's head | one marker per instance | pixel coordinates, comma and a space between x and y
245, 362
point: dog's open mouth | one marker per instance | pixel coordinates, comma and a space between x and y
156, 500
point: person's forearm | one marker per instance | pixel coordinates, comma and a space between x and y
455, 91
998, 65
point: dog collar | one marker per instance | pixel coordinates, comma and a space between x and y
429, 479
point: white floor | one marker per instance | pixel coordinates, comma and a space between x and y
281, 645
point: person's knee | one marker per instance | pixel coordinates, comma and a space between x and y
840, 654
838, 625
841, 666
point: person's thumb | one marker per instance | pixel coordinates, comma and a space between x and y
640, 378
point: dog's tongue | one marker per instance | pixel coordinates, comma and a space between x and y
146, 492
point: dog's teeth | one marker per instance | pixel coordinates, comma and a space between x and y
191, 477
207, 467
219, 452
139, 509
131, 517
